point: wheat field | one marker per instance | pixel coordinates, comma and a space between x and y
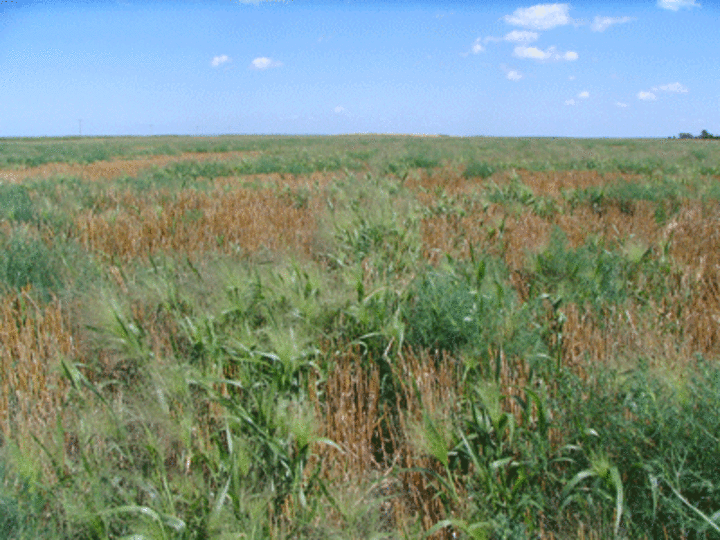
359, 337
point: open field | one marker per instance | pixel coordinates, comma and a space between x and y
359, 337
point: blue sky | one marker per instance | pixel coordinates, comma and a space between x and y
499, 68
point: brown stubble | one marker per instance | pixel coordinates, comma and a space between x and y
197, 222
694, 244
380, 439
34, 341
554, 183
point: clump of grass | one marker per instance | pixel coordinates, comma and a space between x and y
15, 204
516, 194
710, 171
647, 166
22, 505
478, 169
26, 260
471, 308
645, 425
590, 274
414, 159
371, 218
666, 194
181, 175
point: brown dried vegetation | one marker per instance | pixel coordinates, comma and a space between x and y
194, 222
230, 219
108, 170
33, 341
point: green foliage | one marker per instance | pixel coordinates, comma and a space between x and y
714, 171
471, 308
414, 159
372, 218
58, 197
667, 194
444, 205
516, 194
301, 162
9, 509
15, 204
478, 169
661, 437
180, 175
248, 335
193, 417
589, 274
647, 167
24, 260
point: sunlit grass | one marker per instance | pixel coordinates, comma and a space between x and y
362, 337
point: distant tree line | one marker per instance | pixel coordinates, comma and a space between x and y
703, 135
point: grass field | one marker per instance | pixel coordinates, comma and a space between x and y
359, 337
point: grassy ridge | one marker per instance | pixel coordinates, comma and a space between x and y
363, 337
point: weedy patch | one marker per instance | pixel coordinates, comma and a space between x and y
359, 337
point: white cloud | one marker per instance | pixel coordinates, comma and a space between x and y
339, 109
584, 95
514, 75
571, 77
521, 36
646, 96
220, 60
619, 104
540, 16
538, 54
675, 5
532, 52
264, 62
477, 47
676, 88
570, 102
600, 24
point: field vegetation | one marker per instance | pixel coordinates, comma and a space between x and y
359, 337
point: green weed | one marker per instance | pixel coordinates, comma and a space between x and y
589, 274
15, 204
25, 260
516, 195
478, 169
468, 309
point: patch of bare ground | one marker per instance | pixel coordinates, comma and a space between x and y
115, 168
